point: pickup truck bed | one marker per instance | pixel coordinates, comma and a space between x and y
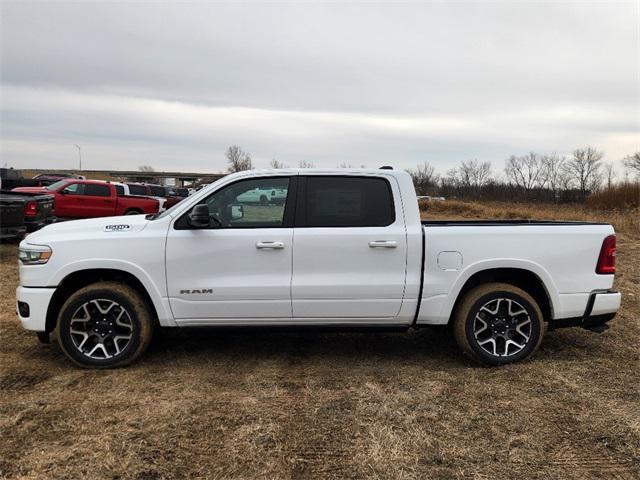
556, 260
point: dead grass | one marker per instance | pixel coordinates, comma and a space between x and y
274, 405
626, 220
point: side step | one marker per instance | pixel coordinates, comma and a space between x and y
598, 328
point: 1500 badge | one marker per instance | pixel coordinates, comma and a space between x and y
117, 228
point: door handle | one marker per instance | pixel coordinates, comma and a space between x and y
383, 244
270, 245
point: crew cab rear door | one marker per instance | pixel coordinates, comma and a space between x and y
239, 268
350, 249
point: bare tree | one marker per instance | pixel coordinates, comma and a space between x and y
305, 164
556, 175
424, 178
527, 172
146, 168
277, 164
584, 169
474, 174
632, 162
609, 174
238, 159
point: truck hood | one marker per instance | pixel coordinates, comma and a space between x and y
90, 228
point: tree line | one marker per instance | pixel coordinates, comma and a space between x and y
530, 177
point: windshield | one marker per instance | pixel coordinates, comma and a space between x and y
169, 211
58, 184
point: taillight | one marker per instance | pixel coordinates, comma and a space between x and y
607, 259
30, 209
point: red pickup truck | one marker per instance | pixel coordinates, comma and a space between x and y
92, 198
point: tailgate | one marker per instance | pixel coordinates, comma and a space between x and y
45, 207
11, 213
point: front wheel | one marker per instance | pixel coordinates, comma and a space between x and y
498, 323
104, 325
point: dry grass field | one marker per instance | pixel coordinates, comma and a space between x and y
341, 405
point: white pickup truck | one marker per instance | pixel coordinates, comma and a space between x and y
345, 249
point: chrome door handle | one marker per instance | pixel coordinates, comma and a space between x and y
271, 245
383, 244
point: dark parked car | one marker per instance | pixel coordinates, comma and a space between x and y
46, 179
11, 178
37, 208
11, 217
175, 195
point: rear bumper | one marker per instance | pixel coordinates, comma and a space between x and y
33, 225
11, 232
34, 315
602, 306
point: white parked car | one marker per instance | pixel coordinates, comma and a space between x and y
126, 189
347, 250
264, 196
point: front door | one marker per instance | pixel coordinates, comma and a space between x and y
350, 250
240, 266
69, 201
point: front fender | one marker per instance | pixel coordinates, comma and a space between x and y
160, 302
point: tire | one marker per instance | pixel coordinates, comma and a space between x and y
264, 201
133, 212
103, 315
512, 320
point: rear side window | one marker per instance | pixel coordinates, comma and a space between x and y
347, 202
157, 191
119, 190
94, 190
137, 189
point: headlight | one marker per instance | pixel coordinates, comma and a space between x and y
34, 254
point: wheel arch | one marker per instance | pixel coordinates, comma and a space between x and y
81, 278
523, 278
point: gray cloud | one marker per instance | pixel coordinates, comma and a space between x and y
172, 85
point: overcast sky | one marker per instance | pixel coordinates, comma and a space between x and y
173, 85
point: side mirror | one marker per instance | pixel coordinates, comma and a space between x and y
199, 216
64, 191
237, 212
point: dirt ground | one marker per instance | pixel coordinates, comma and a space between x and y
340, 405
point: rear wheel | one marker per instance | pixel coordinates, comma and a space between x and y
498, 323
104, 325
133, 212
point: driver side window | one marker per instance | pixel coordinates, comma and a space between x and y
74, 189
251, 203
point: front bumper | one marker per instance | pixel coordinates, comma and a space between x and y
37, 301
602, 306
